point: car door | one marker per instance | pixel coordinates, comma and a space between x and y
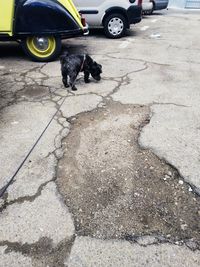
6, 16
92, 10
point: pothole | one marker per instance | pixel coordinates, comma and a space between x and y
115, 189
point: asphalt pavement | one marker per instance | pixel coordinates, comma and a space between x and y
107, 175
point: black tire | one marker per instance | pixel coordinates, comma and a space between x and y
118, 33
31, 48
152, 9
149, 12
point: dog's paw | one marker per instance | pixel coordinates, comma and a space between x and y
87, 81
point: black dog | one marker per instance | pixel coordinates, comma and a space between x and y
71, 65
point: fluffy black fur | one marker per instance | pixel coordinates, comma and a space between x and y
71, 65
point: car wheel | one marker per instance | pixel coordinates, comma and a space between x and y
152, 9
42, 48
115, 26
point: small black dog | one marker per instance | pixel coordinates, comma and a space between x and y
71, 65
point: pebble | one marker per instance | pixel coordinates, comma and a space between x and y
184, 226
191, 244
180, 182
190, 189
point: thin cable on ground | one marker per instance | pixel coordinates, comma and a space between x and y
3, 189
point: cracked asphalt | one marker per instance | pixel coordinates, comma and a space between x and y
108, 175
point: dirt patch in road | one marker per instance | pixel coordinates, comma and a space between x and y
115, 189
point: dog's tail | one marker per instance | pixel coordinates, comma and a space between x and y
63, 56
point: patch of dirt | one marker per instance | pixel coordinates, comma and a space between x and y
35, 91
115, 189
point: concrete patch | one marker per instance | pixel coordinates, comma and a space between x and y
162, 84
52, 69
88, 252
17, 139
41, 164
173, 133
28, 222
13, 259
79, 104
121, 66
102, 88
114, 188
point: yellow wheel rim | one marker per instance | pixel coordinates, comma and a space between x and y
41, 47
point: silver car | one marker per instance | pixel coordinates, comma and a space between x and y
115, 16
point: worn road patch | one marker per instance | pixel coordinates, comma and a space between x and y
115, 189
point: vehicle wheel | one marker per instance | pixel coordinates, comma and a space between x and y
149, 12
152, 9
115, 26
42, 48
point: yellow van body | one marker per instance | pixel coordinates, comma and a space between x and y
40, 25
6, 16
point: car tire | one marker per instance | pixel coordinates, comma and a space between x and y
42, 48
115, 26
152, 9
149, 12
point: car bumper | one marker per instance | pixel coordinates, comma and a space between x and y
147, 6
160, 6
86, 30
134, 14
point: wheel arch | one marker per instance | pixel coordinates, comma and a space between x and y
42, 17
118, 10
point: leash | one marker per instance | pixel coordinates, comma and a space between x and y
4, 188
84, 58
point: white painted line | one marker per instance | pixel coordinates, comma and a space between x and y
144, 28
124, 44
154, 20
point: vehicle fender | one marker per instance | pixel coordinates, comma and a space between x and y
42, 16
116, 9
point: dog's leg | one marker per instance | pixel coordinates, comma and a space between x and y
65, 81
86, 76
72, 80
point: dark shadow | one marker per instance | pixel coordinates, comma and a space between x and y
158, 13
11, 50
73, 48
98, 33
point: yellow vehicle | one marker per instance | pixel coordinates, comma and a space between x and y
39, 25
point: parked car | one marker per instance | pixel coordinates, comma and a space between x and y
159, 4
39, 25
115, 16
147, 6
